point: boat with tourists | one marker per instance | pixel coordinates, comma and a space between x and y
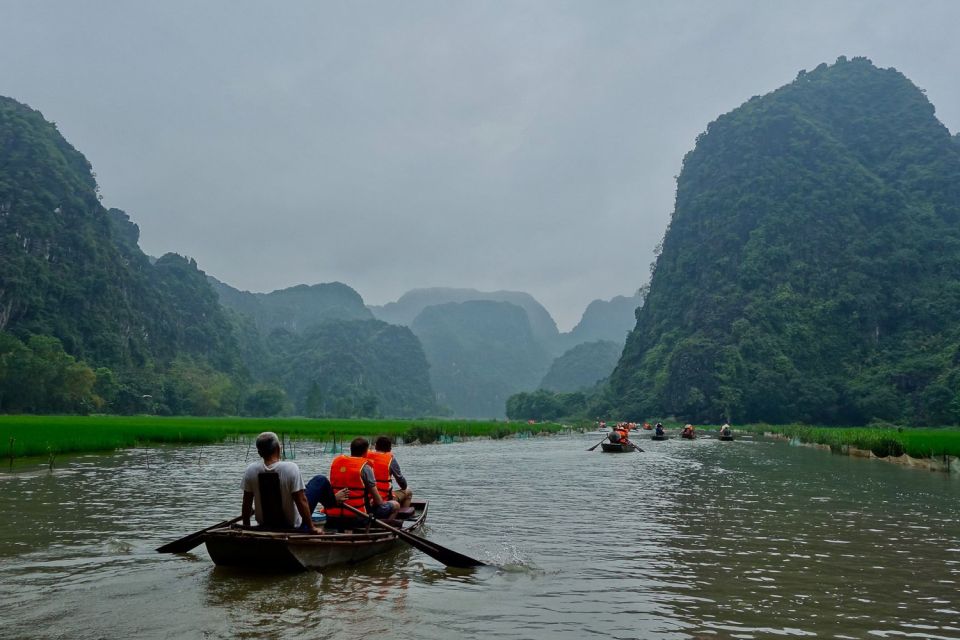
234, 545
617, 447
688, 433
660, 437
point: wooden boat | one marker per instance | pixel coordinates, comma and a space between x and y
688, 436
254, 548
663, 437
728, 438
618, 447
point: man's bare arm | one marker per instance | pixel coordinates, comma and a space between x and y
247, 507
300, 499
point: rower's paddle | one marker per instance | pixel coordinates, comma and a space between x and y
639, 450
187, 543
597, 445
448, 557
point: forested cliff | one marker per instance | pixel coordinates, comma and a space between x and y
811, 269
321, 347
88, 322
76, 293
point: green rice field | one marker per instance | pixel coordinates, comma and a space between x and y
916, 442
27, 435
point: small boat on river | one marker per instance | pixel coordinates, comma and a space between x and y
617, 447
727, 438
663, 437
254, 548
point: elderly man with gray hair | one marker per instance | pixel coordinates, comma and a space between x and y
295, 506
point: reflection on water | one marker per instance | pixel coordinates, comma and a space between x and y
690, 539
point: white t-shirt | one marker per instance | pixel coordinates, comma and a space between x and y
290, 483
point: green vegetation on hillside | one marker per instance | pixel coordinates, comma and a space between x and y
79, 300
811, 270
583, 366
43, 435
361, 368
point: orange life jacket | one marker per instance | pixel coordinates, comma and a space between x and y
381, 470
345, 473
624, 435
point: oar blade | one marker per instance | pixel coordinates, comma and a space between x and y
446, 556
188, 542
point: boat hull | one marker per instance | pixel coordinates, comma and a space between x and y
726, 438
658, 438
250, 548
610, 447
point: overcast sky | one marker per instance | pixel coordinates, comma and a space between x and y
499, 145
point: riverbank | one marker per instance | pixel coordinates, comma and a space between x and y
31, 436
928, 448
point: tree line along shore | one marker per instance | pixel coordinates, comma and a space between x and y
30, 435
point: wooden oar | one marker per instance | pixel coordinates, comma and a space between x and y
597, 445
639, 450
448, 557
186, 543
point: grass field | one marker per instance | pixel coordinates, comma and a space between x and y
22, 435
916, 442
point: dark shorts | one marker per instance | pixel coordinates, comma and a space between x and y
383, 511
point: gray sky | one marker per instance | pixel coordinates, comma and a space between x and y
500, 145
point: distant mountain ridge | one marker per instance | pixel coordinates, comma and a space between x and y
405, 310
480, 353
608, 320
582, 367
295, 308
450, 338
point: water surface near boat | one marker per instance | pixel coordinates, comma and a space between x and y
747, 539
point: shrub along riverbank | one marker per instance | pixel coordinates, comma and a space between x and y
27, 435
915, 442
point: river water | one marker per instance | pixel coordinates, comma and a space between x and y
748, 539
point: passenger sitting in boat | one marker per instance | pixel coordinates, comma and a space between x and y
619, 435
294, 510
658, 430
355, 473
688, 431
386, 469
725, 430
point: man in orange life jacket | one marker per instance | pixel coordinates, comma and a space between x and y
386, 469
355, 473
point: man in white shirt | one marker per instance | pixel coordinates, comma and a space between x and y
292, 496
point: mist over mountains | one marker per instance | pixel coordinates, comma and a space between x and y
810, 273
